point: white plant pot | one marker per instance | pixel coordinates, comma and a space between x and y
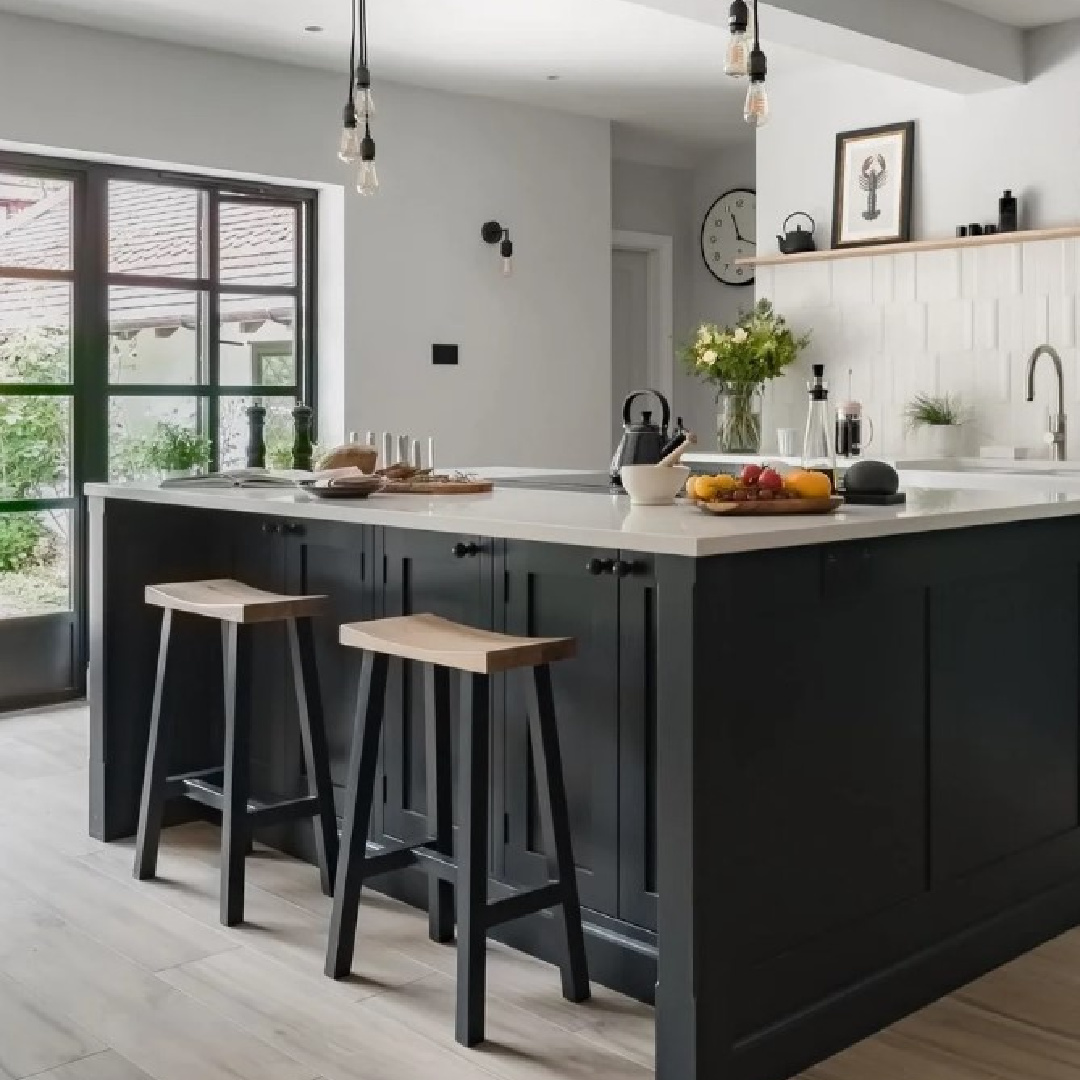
941, 440
177, 474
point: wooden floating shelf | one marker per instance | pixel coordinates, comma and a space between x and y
1029, 236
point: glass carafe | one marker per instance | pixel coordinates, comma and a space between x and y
819, 453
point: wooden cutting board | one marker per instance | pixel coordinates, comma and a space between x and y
773, 506
436, 487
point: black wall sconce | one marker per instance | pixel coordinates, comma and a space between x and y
493, 233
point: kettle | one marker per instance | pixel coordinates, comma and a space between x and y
643, 442
797, 240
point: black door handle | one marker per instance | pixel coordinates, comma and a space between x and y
596, 567
465, 551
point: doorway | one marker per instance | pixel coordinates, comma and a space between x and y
641, 318
141, 313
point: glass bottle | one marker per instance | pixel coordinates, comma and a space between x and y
819, 453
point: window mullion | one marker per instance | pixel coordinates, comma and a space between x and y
212, 334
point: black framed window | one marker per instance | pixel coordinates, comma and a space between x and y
141, 313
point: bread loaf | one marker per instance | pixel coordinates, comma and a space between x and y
350, 455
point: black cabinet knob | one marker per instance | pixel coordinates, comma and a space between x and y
293, 528
621, 568
465, 551
271, 528
596, 567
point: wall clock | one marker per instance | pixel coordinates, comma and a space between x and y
729, 232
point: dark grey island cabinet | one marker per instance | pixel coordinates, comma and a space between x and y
811, 787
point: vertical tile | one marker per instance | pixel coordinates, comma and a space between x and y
1063, 321
884, 267
903, 276
764, 282
903, 328
853, 282
937, 275
802, 285
860, 329
999, 270
1043, 267
949, 325
985, 324
969, 273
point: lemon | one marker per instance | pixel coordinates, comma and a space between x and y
711, 488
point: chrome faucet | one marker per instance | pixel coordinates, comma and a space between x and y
1058, 424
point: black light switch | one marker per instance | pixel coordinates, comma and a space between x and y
444, 354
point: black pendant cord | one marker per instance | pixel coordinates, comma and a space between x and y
363, 34
352, 56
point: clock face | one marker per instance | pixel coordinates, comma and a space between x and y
728, 233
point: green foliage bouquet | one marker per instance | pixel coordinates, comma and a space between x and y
757, 348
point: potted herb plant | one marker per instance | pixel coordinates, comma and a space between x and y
176, 450
937, 420
738, 360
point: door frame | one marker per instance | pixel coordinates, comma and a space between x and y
660, 250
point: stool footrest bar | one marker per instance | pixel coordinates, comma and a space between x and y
523, 903
205, 786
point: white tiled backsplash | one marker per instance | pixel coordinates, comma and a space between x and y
961, 322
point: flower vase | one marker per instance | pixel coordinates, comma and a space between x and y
738, 419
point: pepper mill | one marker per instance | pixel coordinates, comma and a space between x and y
302, 449
256, 447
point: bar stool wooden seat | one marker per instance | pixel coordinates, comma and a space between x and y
226, 788
443, 645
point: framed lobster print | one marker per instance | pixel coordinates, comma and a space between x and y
872, 186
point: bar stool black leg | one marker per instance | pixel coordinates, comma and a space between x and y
360, 791
439, 767
555, 818
316, 756
156, 772
235, 831
472, 863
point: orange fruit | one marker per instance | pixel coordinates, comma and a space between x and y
808, 484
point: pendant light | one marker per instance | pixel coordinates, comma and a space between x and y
756, 109
360, 106
737, 55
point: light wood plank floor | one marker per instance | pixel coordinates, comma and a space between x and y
104, 978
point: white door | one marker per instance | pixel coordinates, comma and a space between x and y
630, 330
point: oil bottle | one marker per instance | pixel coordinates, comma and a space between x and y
819, 453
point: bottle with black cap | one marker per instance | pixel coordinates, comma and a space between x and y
819, 453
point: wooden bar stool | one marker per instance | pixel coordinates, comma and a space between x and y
478, 654
236, 605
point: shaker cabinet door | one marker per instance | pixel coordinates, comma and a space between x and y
551, 592
441, 574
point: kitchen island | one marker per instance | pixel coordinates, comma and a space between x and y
820, 770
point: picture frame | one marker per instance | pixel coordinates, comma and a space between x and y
872, 186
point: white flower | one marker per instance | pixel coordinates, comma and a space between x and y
708, 357
740, 335
703, 334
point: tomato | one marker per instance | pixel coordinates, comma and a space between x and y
750, 474
770, 480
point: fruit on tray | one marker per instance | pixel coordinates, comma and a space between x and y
807, 484
759, 484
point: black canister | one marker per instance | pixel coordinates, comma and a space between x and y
256, 447
849, 429
1008, 213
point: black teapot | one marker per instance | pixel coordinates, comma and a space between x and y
797, 240
643, 442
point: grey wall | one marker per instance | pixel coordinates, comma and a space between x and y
400, 271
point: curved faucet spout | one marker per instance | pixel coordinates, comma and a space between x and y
1056, 430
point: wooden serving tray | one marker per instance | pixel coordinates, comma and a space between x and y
773, 506
436, 487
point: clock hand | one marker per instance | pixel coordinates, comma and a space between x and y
738, 235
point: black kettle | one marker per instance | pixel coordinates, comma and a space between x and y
643, 442
796, 241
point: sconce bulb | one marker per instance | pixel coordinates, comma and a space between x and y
367, 179
507, 266
756, 110
365, 103
737, 55
349, 147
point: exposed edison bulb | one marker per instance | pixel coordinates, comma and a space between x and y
365, 102
367, 179
349, 147
508, 266
737, 56
756, 109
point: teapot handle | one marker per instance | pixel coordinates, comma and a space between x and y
665, 408
800, 213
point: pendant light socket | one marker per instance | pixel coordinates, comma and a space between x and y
738, 17
759, 66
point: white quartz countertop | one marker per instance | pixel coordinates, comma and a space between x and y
609, 521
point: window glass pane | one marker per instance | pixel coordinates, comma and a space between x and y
258, 244
278, 431
35, 222
151, 436
155, 335
154, 229
35, 447
35, 331
35, 563
258, 345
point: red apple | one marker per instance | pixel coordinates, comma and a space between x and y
770, 480
751, 474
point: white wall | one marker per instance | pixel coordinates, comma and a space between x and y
938, 323
410, 267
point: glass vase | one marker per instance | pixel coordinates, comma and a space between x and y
738, 419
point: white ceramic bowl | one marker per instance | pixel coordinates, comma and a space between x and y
654, 485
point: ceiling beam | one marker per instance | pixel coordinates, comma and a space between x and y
927, 41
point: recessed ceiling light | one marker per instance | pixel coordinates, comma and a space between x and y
554, 78
313, 29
